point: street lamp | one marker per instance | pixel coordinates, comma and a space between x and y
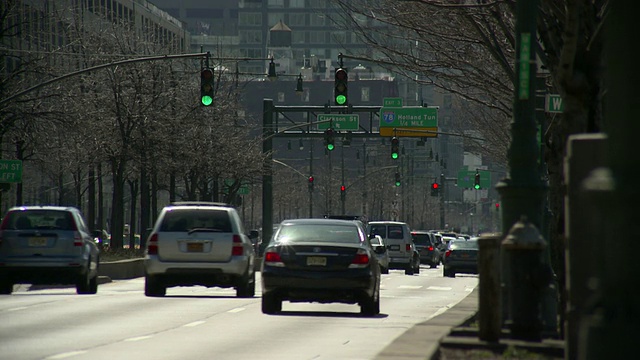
299, 89
271, 75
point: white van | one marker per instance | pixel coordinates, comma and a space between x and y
397, 237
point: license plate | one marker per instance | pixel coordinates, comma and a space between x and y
394, 247
465, 255
317, 261
37, 241
195, 247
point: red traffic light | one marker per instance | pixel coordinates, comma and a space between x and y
343, 188
435, 186
497, 205
311, 179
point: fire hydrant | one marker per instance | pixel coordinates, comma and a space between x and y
523, 248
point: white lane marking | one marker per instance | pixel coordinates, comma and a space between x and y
65, 355
413, 287
236, 310
193, 324
138, 338
17, 309
441, 288
469, 288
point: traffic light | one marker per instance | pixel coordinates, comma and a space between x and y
343, 192
328, 139
395, 148
340, 90
398, 179
477, 181
497, 206
206, 87
435, 189
311, 183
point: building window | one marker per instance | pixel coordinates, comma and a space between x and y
316, 19
317, 4
296, 4
297, 19
249, 19
338, 37
275, 18
316, 37
281, 97
275, 3
250, 36
297, 37
365, 94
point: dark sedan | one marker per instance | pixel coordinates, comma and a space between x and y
461, 257
426, 245
320, 260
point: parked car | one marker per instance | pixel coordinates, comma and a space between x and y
461, 257
320, 260
199, 243
425, 243
44, 245
381, 253
396, 235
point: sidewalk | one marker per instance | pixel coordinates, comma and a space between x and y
454, 335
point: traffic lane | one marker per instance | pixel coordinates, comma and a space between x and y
38, 324
198, 322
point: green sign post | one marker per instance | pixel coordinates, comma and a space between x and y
339, 121
10, 171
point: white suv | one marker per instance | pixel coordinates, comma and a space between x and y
397, 237
199, 243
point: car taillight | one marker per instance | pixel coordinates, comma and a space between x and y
447, 253
238, 249
361, 259
273, 258
152, 245
430, 248
408, 247
77, 239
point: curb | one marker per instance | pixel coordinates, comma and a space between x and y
422, 341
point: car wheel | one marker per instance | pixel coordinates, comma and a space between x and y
448, 273
271, 304
384, 270
371, 305
6, 287
83, 284
154, 287
409, 270
247, 288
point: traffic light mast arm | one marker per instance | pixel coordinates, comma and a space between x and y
98, 67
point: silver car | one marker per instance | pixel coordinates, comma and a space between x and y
382, 254
199, 243
44, 245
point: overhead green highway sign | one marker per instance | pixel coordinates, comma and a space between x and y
339, 121
406, 117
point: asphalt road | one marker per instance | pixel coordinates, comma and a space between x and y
211, 323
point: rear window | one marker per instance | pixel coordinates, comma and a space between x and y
318, 233
421, 239
182, 220
39, 219
395, 232
468, 244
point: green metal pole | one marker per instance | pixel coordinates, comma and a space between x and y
522, 192
267, 176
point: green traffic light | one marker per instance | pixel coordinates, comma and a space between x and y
397, 183
330, 147
477, 187
394, 155
341, 99
207, 100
